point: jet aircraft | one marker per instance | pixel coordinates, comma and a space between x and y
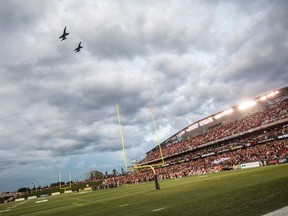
63, 36
78, 48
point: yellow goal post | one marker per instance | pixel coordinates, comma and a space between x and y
135, 166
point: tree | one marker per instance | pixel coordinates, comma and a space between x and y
56, 184
24, 190
95, 174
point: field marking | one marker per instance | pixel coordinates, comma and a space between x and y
280, 212
12, 207
41, 201
123, 205
102, 200
78, 204
157, 209
6, 210
84, 192
48, 210
18, 204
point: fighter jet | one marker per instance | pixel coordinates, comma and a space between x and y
78, 48
63, 36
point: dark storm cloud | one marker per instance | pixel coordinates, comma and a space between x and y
257, 48
22, 26
146, 31
17, 16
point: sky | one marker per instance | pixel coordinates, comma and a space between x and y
185, 59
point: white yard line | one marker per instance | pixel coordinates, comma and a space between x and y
123, 205
41, 201
157, 209
5, 210
280, 212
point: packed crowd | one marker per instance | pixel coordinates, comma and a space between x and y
270, 113
236, 143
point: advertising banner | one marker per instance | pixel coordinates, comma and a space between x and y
272, 162
250, 165
236, 147
19, 199
236, 167
208, 154
283, 160
55, 193
283, 136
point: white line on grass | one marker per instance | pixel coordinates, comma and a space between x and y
78, 204
82, 192
157, 209
123, 205
280, 212
5, 210
41, 201
202, 176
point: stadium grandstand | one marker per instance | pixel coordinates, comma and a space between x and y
255, 131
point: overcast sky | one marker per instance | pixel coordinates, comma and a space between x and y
186, 59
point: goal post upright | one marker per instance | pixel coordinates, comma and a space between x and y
70, 180
157, 186
60, 182
122, 139
158, 139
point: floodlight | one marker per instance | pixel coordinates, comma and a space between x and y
247, 105
272, 94
263, 98
226, 112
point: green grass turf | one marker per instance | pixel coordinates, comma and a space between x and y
244, 192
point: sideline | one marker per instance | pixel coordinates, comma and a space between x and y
280, 212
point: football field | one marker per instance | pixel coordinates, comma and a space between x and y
245, 192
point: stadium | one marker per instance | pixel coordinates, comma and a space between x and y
233, 162
254, 131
